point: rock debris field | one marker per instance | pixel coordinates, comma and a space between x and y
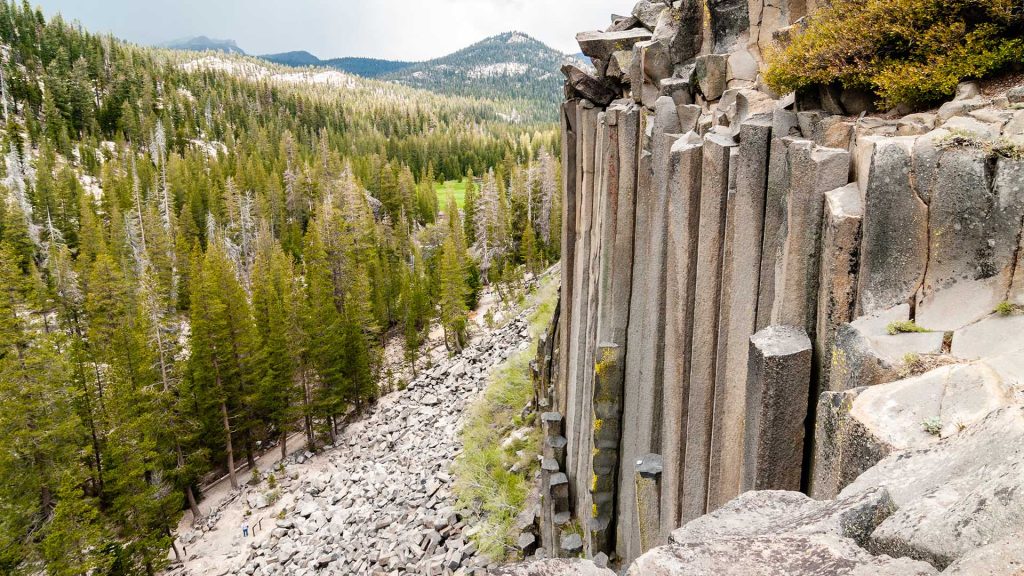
379, 502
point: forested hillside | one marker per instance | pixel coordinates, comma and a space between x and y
199, 257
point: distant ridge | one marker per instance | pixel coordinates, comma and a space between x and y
365, 67
203, 43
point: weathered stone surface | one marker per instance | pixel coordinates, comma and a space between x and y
762, 512
570, 169
975, 217
813, 172
711, 75
655, 61
842, 448
588, 87
705, 467
553, 567
683, 229
784, 124
778, 379
729, 21
741, 263
789, 554
644, 361
996, 335
954, 496
618, 65
602, 45
1003, 558
647, 12
865, 354
840, 253
894, 251
647, 477
951, 397
581, 305
680, 30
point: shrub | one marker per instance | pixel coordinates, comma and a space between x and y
904, 327
906, 51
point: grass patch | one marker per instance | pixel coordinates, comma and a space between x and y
1008, 309
904, 327
456, 187
486, 486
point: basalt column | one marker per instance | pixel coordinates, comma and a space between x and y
741, 267
569, 168
623, 121
708, 461
642, 400
602, 228
681, 278
587, 123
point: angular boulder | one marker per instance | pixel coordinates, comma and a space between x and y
602, 45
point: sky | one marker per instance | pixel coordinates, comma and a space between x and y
417, 30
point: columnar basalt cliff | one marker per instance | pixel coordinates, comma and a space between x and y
769, 293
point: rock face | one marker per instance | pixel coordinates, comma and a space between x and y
778, 293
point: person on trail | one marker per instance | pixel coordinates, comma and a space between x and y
245, 529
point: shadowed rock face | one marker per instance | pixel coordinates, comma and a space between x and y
729, 19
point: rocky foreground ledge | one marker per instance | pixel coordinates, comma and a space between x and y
380, 500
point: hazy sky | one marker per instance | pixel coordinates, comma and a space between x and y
416, 30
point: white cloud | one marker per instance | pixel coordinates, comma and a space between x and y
330, 28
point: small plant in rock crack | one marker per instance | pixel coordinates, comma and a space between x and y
932, 426
1007, 309
904, 327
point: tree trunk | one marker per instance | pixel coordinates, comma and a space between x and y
189, 495
230, 448
250, 450
284, 445
306, 416
174, 544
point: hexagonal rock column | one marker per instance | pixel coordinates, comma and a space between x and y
644, 359
975, 217
814, 170
741, 263
576, 356
712, 456
579, 424
598, 465
894, 249
647, 477
784, 124
777, 390
840, 252
683, 229
568, 240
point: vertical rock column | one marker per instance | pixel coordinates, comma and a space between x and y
894, 247
777, 383
601, 235
578, 331
614, 297
708, 462
648, 501
741, 269
569, 215
681, 278
642, 395
784, 123
840, 253
814, 170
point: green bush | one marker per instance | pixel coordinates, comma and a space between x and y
911, 52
